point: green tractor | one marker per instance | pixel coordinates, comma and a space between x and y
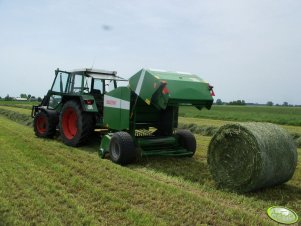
74, 105
140, 119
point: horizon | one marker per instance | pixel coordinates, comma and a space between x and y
284, 104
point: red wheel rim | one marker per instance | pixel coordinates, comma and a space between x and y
41, 124
69, 123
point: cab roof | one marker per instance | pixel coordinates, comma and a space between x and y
97, 73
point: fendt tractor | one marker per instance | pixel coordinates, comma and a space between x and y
139, 119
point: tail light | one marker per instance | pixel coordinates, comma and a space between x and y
89, 102
211, 90
164, 89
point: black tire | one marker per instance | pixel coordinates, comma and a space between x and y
44, 125
75, 124
187, 140
122, 149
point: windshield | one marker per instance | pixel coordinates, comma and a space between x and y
60, 83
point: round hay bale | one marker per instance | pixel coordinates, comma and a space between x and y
244, 157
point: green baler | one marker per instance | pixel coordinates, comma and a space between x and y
142, 118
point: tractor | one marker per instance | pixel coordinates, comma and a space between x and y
74, 105
139, 119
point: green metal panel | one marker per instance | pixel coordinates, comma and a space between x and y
88, 107
144, 85
170, 88
117, 108
104, 146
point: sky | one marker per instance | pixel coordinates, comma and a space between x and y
248, 50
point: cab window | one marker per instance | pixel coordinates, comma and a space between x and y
77, 83
98, 86
60, 83
110, 85
87, 84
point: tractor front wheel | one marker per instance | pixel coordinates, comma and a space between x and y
75, 125
187, 140
122, 148
44, 125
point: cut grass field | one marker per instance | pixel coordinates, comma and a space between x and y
46, 182
278, 115
187, 120
220, 114
20, 110
204, 122
274, 114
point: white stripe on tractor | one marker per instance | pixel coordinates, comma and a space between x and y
114, 102
139, 84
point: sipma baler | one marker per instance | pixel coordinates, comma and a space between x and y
143, 117
140, 119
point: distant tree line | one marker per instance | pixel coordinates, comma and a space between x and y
235, 102
284, 104
242, 102
28, 97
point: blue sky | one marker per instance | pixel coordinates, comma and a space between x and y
247, 50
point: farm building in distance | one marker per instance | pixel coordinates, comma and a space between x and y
20, 99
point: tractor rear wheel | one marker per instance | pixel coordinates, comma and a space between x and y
75, 124
44, 125
187, 140
122, 148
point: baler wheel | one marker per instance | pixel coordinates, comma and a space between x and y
122, 148
44, 126
75, 125
187, 140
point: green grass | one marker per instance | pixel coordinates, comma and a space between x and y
209, 126
14, 102
278, 115
186, 120
204, 126
19, 104
16, 109
46, 182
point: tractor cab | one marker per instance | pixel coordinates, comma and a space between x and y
82, 83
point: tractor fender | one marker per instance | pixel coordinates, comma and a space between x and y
52, 114
87, 102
